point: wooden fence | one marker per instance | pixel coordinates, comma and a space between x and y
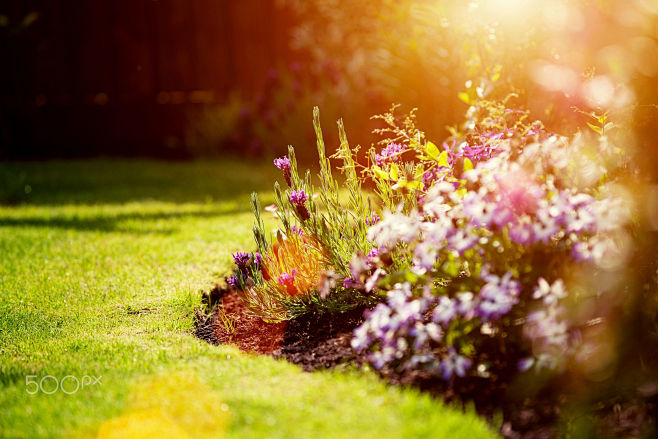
121, 76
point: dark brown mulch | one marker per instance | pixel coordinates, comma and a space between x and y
230, 324
320, 341
312, 341
323, 342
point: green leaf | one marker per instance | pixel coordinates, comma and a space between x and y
420, 171
443, 159
394, 171
463, 96
595, 128
468, 164
379, 173
431, 150
414, 184
451, 268
410, 277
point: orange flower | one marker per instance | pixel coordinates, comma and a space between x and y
295, 265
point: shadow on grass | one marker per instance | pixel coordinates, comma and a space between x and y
119, 222
109, 181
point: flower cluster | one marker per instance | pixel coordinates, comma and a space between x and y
390, 153
469, 246
470, 251
396, 333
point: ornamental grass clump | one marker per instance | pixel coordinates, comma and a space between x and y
294, 266
303, 266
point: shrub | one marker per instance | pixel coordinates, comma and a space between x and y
479, 243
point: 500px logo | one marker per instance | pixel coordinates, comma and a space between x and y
50, 384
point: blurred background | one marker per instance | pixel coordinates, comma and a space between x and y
191, 78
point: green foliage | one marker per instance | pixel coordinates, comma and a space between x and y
337, 225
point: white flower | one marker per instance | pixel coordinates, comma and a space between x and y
549, 293
395, 228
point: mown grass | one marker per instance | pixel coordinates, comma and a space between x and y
102, 264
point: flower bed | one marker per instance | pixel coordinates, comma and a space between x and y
478, 263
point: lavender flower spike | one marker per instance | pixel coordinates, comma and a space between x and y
298, 199
241, 259
283, 163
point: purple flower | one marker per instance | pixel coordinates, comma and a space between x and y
372, 254
466, 305
288, 281
389, 154
371, 221
592, 250
434, 331
378, 319
454, 364
298, 199
371, 282
526, 364
431, 176
399, 295
445, 311
287, 278
233, 281
380, 358
479, 210
283, 163
521, 231
462, 240
498, 296
297, 231
258, 259
348, 282
241, 259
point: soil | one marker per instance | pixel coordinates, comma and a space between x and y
313, 341
317, 342
229, 323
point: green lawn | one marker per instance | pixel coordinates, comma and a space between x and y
102, 264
